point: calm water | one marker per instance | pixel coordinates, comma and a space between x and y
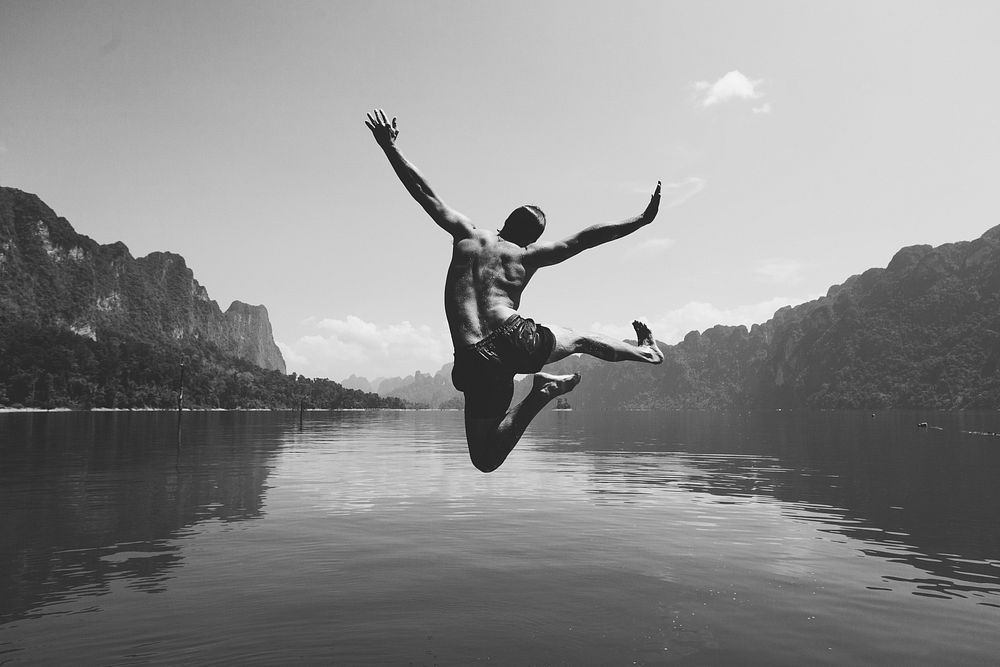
368, 538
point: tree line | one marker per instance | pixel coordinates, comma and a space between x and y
45, 366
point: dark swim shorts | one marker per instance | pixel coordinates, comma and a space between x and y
485, 371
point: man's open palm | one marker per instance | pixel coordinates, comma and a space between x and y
654, 205
385, 133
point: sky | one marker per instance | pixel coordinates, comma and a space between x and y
798, 143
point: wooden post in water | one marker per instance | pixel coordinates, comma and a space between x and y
180, 405
180, 392
302, 398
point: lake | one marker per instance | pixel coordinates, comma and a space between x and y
771, 538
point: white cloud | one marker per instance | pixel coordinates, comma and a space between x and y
341, 347
732, 86
648, 249
763, 108
779, 270
675, 194
292, 358
672, 326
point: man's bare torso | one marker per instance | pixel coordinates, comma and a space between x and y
485, 280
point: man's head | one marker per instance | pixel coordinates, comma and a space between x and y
524, 225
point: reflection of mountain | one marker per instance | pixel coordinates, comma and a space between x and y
926, 498
114, 493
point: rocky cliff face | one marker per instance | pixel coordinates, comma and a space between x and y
50, 274
248, 330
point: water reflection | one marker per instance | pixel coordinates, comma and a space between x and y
767, 537
92, 498
926, 498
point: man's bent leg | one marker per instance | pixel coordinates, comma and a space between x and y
491, 439
605, 347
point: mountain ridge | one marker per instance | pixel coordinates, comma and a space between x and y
51, 274
85, 325
920, 332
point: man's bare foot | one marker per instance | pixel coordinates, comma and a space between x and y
555, 385
645, 338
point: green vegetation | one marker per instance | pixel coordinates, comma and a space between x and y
44, 366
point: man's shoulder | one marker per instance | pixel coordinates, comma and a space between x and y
487, 243
477, 238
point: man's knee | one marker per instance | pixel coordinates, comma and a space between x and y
485, 465
483, 458
480, 434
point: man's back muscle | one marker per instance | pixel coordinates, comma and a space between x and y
485, 280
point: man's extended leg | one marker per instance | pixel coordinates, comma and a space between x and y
605, 347
492, 439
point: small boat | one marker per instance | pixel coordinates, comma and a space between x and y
562, 404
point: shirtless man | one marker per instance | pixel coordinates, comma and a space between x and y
488, 272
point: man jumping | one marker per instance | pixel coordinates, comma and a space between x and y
488, 272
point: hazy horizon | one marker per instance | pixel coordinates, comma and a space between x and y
798, 144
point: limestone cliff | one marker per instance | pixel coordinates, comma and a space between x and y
50, 274
248, 329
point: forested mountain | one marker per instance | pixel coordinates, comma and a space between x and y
922, 332
49, 274
88, 325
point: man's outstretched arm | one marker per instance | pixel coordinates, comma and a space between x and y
448, 219
546, 254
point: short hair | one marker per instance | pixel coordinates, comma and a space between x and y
524, 225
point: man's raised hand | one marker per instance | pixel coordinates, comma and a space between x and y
385, 133
654, 205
